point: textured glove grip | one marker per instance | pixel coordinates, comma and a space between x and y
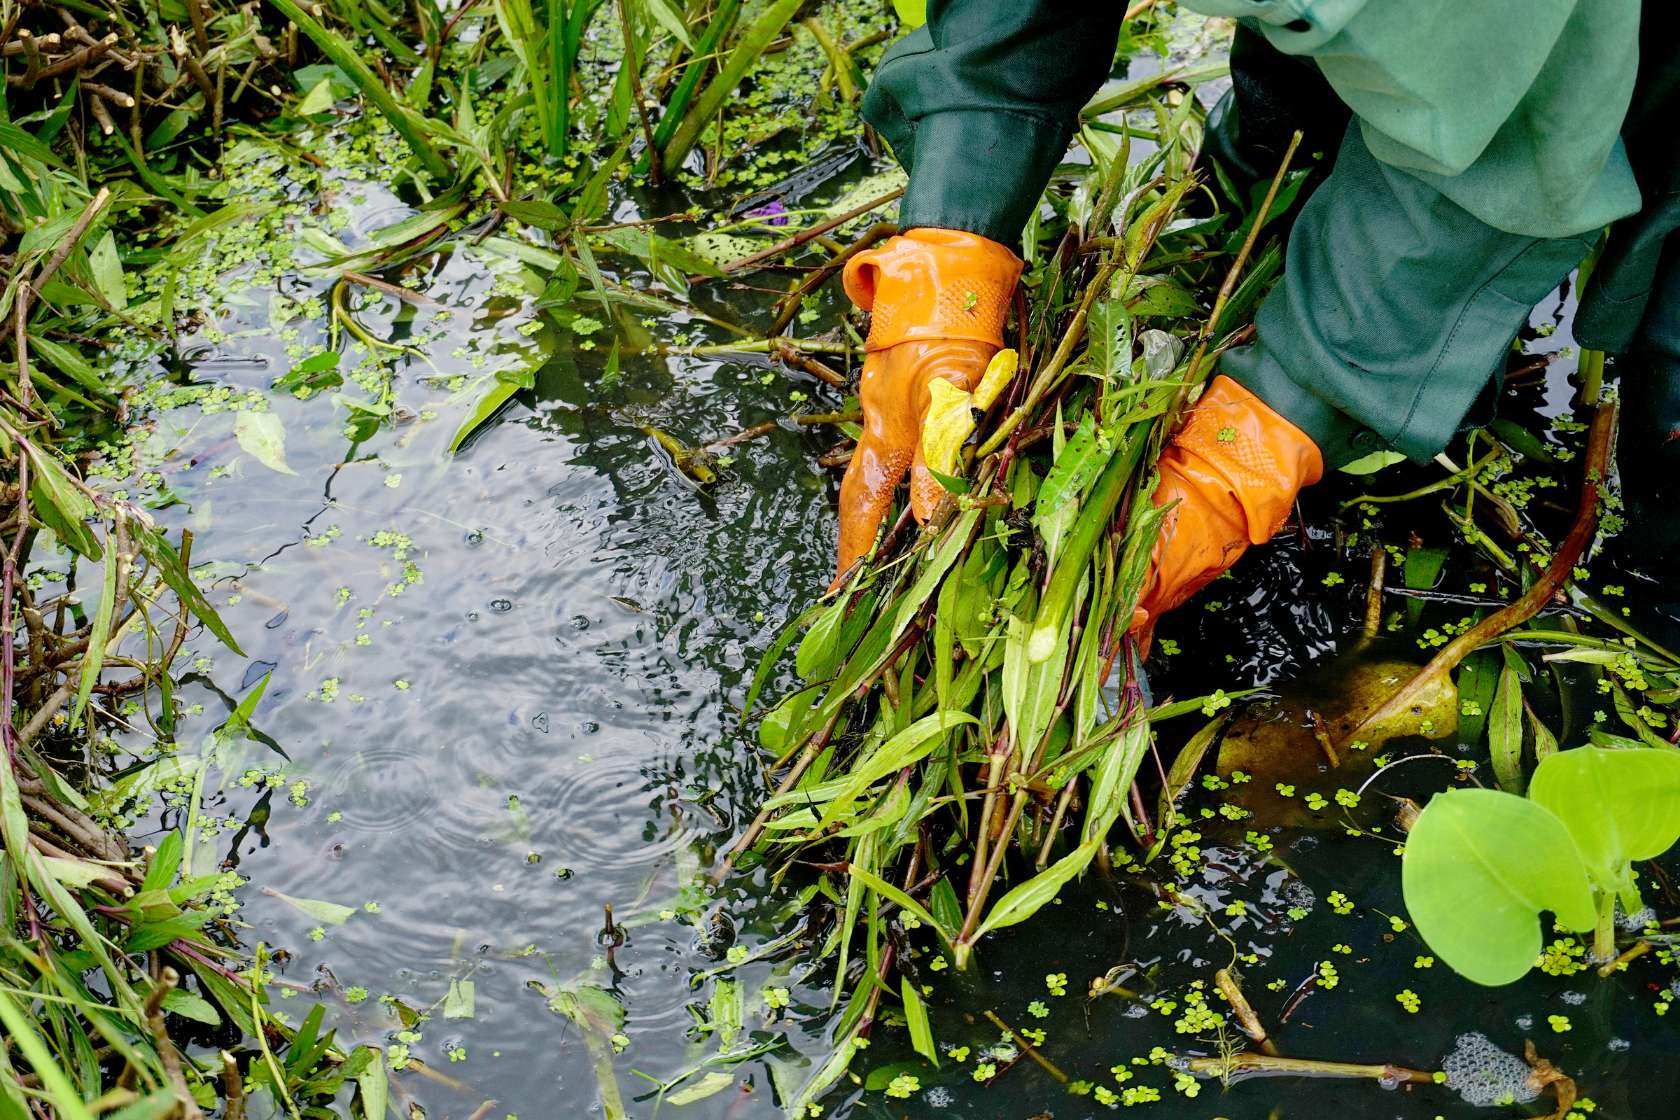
1262, 459
932, 284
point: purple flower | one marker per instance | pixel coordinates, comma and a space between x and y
770, 210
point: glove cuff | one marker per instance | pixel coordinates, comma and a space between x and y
1261, 458
932, 284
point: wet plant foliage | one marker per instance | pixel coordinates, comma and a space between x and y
232, 234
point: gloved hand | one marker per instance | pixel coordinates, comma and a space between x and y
1234, 470
938, 297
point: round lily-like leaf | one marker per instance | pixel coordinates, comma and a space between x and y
1619, 805
1479, 868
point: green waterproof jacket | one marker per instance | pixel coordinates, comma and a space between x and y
1485, 156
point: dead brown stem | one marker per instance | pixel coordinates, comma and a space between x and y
1244, 1011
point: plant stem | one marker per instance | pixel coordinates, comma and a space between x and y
1604, 934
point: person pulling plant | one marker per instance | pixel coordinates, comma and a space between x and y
1459, 193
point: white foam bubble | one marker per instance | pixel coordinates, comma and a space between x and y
1483, 1074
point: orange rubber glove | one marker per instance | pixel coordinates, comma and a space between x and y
938, 297
1234, 470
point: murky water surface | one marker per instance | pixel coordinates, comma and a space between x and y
503, 695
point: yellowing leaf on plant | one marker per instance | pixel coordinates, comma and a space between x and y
1000, 371
949, 422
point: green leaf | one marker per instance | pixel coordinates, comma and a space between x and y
819, 650
916, 1018
459, 1002
168, 564
375, 1087
189, 1006
68, 361
1025, 900
107, 271
154, 1106
1505, 732
499, 393
713, 1083
330, 913
100, 635
166, 861
1619, 805
319, 99
909, 746
888, 891
1372, 463
1480, 866
263, 436
670, 18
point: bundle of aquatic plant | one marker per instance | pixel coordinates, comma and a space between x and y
970, 723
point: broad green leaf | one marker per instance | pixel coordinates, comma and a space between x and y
318, 100
460, 1002
709, 1085
264, 437
1183, 769
1024, 901
499, 393
916, 1018
1480, 866
70, 362
181, 1002
331, 913
1619, 805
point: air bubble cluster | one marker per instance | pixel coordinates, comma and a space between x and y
1483, 1074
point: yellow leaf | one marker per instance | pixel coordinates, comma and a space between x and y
999, 373
949, 421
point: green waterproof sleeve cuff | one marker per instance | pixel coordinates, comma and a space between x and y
980, 170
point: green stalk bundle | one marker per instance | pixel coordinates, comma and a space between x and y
956, 750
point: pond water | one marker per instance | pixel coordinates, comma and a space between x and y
503, 693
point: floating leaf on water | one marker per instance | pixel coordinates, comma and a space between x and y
1480, 867
460, 1002
330, 913
263, 436
709, 1085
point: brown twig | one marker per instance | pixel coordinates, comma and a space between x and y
69, 62
752, 260
1227, 982
789, 305
167, 979
1374, 591
1027, 1048
1557, 573
801, 360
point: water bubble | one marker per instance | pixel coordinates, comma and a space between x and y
540, 722
475, 538
501, 606
472, 616
1574, 999
1483, 1074
937, 1097
1618, 1045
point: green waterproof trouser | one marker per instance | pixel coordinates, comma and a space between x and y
1414, 263
1630, 306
